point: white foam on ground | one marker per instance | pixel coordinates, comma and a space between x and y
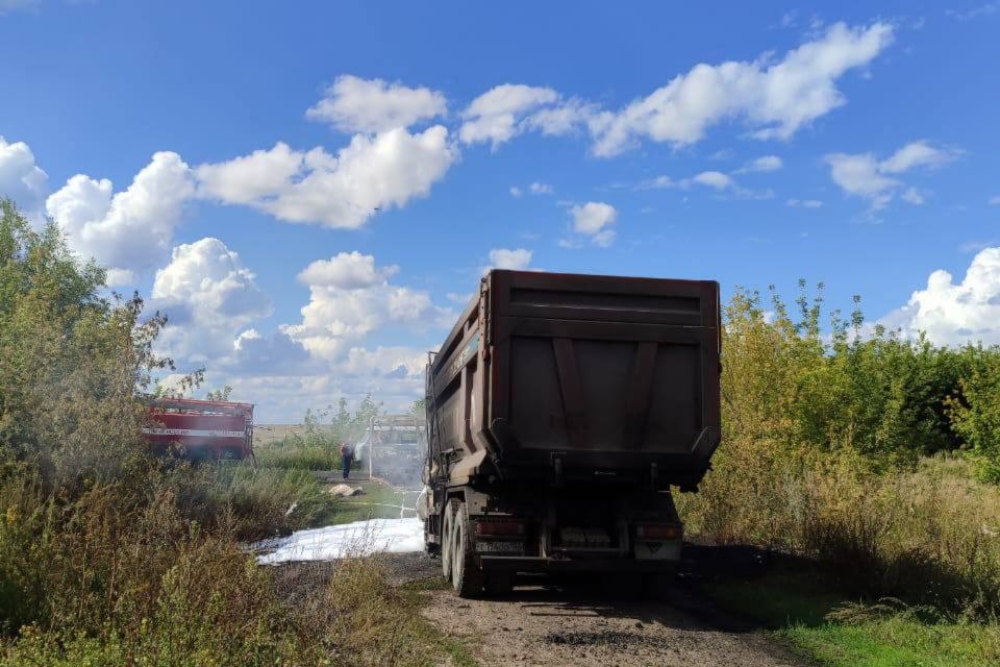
361, 538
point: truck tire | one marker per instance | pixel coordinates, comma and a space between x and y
447, 531
466, 576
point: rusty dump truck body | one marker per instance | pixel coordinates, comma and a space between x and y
560, 412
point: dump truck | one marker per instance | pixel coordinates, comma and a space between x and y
562, 412
200, 429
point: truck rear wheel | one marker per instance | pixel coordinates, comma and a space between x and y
447, 531
466, 575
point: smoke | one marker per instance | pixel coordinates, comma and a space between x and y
393, 449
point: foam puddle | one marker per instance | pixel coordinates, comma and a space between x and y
360, 538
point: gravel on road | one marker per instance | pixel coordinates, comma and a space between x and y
547, 627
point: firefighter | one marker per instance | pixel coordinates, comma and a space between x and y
347, 457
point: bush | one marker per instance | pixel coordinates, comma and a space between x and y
109, 556
976, 412
824, 439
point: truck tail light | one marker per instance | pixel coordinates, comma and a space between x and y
659, 531
500, 528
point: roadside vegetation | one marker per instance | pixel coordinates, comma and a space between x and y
109, 556
317, 447
815, 612
874, 459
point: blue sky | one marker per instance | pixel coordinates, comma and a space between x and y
310, 192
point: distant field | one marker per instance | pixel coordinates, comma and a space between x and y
266, 434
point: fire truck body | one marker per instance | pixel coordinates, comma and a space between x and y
202, 429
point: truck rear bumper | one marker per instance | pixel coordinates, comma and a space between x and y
581, 565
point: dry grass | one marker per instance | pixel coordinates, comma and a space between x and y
265, 435
111, 580
928, 536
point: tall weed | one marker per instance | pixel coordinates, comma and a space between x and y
825, 455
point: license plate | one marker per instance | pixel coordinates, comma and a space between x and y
500, 547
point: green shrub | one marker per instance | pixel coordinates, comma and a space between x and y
976, 412
822, 455
109, 556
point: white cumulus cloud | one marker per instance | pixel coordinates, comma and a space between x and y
503, 258
954, 313
535, 188
343, 191
864, 175
714, 179
348, 270
208, 296
594, 220
350, 297
251, 178
762, 164
724, 184
20, 178
130, 231
593, 217
497, 115
774, 98
917, 154
353, 104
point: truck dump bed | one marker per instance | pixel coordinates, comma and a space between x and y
579, 377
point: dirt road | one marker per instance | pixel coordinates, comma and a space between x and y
545, 627
549, 624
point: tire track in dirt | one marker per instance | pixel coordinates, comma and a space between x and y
549, 627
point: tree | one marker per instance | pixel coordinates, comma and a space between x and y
367, 410
221, 395
975, 410
342, 421
71, 361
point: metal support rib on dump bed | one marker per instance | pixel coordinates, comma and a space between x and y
564, 377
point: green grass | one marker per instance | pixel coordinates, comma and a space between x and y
259, 499
458, 650
296, 455
379, 501
383, 623
895, 642
813, 614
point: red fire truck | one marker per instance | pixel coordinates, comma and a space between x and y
202, 429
